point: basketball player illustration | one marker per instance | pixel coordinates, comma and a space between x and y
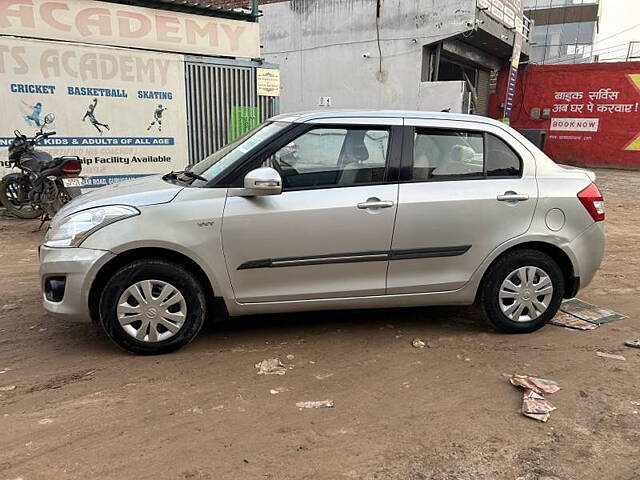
90, 114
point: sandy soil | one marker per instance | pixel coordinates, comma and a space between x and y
82, 409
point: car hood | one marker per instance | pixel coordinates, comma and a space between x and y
140, 192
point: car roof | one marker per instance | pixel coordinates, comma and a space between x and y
307, 116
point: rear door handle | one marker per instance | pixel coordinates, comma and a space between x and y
512, 197
375, 204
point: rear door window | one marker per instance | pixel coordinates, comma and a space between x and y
440, 154
448, 154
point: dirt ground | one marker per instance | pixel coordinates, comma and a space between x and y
83, 409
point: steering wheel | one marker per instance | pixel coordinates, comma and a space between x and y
277, 164
287, 164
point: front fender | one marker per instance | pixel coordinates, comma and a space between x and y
192, 229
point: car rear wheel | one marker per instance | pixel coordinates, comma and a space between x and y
522, 291
150, 307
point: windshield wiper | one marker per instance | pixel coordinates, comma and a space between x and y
193, 175
186, 173
170, 176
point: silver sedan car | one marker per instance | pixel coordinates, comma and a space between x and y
330, 210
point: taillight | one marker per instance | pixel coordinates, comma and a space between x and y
71, 168
593, 201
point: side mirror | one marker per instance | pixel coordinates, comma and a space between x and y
49, 118
261, 182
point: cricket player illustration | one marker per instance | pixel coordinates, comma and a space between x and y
33, 118
90, 114
157, 118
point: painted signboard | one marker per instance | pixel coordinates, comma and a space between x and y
121, 111
268, 82
120, 25
593, 111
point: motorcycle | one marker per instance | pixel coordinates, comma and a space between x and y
39, 189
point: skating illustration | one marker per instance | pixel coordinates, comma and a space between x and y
90, 114
157, 118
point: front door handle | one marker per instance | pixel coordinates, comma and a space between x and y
512, 197
375, 203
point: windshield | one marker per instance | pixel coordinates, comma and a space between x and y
219, 162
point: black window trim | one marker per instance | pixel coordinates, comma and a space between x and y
520, 161
392, 162
406, 167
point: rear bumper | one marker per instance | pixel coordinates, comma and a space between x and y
588, 252
78, 267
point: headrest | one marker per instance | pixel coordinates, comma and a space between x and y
354, 149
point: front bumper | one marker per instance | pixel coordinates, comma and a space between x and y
78, 267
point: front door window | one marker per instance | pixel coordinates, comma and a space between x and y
332, 157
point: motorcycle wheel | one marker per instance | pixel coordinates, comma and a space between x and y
15, 197
59, 196
53, 197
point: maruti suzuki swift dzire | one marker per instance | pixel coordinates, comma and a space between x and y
330, 210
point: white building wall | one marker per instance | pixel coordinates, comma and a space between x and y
330, 49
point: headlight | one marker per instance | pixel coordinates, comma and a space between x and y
71, 231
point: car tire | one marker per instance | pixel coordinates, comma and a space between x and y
521, 277
151, 307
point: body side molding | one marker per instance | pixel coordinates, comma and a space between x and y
357, 257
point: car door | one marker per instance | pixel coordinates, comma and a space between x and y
329, 232
465, 188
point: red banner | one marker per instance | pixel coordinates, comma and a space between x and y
590, 113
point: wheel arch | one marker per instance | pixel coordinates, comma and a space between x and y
135, 254
572, 283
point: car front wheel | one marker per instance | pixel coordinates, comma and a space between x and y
151, 307
522, 291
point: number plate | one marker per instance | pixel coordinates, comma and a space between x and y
73, 182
